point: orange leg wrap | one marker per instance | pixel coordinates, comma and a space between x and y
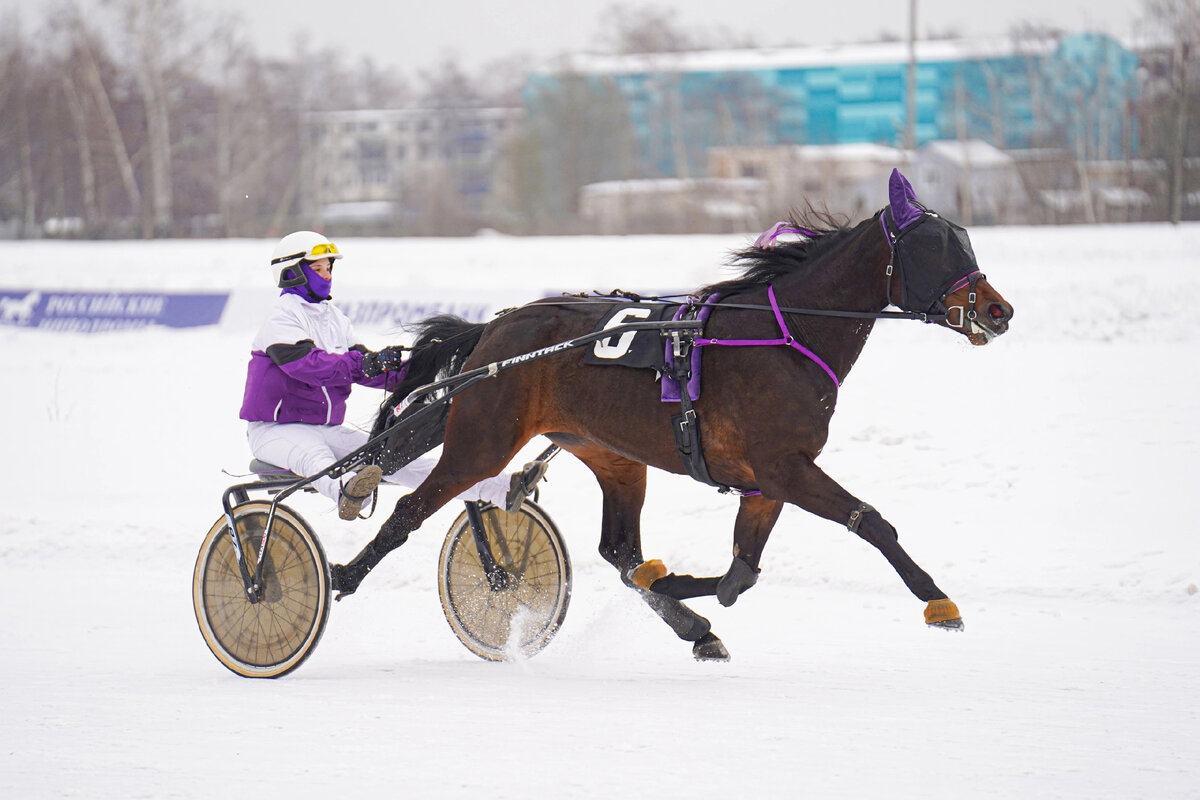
940, 611
648, 572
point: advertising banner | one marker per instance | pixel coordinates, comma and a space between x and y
88, 312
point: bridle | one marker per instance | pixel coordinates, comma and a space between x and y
938, 311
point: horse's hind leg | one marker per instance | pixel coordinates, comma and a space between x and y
411, 510
623, 484
802, 483
756, 517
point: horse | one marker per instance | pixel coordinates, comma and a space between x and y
759, 424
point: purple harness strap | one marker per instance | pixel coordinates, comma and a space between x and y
767, 238
787, 339
670, 386
965, 280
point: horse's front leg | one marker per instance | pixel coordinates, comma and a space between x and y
801, 482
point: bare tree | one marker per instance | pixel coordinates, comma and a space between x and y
501, 81
1178, 22
76, 108
253, 137
376, 87
578, 131
644, 29
151, 24
85, 59
16, 77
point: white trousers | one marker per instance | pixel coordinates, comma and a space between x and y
308, 449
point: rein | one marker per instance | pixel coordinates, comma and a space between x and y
786, 338
619, 294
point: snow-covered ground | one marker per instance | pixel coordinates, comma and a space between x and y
1046, 482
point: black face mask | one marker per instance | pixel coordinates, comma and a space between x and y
932, 255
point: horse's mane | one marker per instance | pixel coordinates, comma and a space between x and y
763, 264
442, 345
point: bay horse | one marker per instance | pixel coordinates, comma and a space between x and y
763, 416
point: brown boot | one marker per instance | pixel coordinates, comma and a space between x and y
357, 490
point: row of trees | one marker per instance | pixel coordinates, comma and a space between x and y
139, 120
1171, 124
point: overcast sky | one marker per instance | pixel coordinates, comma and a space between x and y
410, 35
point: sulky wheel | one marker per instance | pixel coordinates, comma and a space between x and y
273, 636
517, 615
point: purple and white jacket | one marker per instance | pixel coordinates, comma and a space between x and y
301, 365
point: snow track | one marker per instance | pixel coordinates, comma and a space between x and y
1046, 482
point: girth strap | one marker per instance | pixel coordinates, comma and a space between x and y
686, 427
686, 424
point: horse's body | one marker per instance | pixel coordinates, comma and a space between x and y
763, 414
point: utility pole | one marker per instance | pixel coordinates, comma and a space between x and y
910, 128
1182, 54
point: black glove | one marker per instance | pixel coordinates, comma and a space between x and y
389, 359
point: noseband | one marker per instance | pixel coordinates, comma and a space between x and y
968, 313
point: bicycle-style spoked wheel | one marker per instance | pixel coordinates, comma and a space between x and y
273, 636
519, 618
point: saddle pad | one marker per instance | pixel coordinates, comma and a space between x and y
639, 349
645, 349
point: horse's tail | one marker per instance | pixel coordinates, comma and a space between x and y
442, 346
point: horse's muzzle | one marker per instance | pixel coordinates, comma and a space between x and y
992, 321
981, 315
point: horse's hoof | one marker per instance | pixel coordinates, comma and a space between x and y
343, 580
709, 648
948, 625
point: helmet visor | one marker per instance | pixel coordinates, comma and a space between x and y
324, 250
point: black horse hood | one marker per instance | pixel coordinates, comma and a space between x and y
932, 255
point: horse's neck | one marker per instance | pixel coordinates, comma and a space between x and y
853, 278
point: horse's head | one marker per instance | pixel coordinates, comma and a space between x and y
935, 267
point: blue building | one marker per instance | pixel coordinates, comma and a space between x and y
1073, 93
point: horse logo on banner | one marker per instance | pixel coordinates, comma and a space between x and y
17, 310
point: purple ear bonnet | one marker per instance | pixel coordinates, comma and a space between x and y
901, 194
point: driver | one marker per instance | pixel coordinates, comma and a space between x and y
303, 363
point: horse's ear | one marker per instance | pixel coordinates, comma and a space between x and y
902, 197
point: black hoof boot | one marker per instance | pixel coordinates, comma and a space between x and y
345, 579
740, 577
709, 648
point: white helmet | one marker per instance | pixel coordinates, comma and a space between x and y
297, 247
